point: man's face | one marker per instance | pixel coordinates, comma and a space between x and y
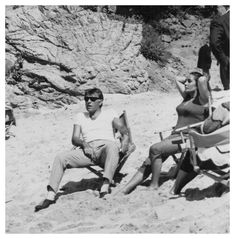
93, 102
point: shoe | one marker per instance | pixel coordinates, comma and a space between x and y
46, 203
103, 194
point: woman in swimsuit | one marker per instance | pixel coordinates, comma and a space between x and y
193, 109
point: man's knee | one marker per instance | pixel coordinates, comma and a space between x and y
112, 147
61, 159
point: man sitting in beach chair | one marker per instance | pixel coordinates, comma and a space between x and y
216, 133
93, 137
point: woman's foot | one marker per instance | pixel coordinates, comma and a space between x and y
153, 186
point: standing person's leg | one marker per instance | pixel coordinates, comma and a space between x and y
224, 75
158, 153
69, 159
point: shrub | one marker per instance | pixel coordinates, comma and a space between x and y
152, 46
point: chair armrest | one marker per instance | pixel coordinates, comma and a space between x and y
218, 137
189, 127
163, 130
160, 132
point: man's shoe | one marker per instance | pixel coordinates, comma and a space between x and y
103, 194
46, 203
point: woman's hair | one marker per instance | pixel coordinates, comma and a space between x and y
196, 75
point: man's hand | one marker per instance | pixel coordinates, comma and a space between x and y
89, 152
125, 144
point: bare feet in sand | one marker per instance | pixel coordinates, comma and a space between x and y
153, 186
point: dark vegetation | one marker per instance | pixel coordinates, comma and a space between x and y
149, 16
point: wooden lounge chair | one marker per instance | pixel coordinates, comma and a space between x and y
123, 156
214, 139
179, 156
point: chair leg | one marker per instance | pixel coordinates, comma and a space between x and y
99, 174
124, 158
193, 155
179, 163
217, 178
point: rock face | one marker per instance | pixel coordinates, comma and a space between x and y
54, 53
66, 49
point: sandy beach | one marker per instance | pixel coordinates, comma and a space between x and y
40, 134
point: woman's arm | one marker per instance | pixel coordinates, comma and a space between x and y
180, 86
204, 92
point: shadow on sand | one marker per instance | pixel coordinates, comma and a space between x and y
215, 190
85, 184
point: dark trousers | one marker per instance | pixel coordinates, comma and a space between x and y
225, 76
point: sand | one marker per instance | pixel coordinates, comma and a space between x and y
41, 134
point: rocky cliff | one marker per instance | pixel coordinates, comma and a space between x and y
54, 53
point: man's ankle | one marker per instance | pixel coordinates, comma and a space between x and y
106, 181
50, 194
105, 186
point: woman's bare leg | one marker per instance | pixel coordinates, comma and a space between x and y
158, 153
156, 171
142, 173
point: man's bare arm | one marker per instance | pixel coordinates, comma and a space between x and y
76, 137
78, 142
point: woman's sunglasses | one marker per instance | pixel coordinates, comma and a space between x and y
93, 99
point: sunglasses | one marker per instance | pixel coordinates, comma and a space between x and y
188, 80
93, 99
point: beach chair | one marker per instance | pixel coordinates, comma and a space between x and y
182, 142
215, 139
9, 121
123, 156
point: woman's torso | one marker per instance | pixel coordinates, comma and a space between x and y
191, 112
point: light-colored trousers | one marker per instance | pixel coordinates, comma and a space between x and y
107, 156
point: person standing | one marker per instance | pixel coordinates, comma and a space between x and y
220, 44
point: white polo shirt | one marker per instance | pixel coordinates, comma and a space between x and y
99, 128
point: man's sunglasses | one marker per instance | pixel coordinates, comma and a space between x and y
188, 80
93, 99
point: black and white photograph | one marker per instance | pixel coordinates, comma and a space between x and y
117, 118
